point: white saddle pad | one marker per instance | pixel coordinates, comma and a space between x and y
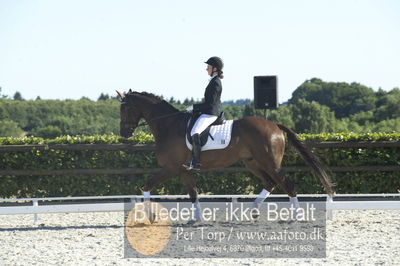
221, 135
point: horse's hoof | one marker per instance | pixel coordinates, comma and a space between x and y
152, 218
192, 221
255, 216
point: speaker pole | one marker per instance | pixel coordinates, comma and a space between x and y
266, 113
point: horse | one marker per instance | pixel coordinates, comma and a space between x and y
257, 142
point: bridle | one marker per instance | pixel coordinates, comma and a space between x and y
157, 118
151, 120
146, 123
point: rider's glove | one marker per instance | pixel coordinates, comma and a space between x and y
190, 108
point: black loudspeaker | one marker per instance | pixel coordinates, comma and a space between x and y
265, 92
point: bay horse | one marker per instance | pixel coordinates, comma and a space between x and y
257, 142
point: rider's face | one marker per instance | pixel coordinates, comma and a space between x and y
210, 70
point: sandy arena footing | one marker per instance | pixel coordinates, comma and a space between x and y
353, 238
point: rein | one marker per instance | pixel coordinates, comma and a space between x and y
159, 117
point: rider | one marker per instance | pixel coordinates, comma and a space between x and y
208, 110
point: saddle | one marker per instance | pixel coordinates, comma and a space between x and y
204, 135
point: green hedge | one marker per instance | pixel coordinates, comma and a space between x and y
208, 183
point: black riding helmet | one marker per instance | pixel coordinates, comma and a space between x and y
216, 62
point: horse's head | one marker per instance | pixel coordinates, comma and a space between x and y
130, 114
137, 105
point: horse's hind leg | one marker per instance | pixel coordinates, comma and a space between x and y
268, 183
270, 162
273, 178
288, 186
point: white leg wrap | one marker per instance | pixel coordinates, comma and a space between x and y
146, 195
197, 210
294, 202
260, 198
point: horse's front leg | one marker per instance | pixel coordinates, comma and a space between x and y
190, 183
159, 177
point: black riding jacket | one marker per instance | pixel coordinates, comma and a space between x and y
212, 98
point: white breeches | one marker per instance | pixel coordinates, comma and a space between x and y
202, 123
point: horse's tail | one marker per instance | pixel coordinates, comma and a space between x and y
319, 168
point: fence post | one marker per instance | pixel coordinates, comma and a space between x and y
329, 211
35, 215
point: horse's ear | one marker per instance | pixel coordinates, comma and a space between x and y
130, 91
122, 96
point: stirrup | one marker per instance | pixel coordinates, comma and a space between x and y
190, 166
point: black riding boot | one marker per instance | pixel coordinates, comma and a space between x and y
196, 150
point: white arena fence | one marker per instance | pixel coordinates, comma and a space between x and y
35, 206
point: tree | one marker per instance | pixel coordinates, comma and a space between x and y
312, 117
283, 115
18, 96
2, 95
342, 98
363, 118
172, 100
388, 126
249, 110
103, 97
47, 132
232, 111
85, 117
188, 102
389, 106
10, 128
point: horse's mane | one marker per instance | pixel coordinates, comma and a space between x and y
154, 99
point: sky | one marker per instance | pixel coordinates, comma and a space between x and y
68, 49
